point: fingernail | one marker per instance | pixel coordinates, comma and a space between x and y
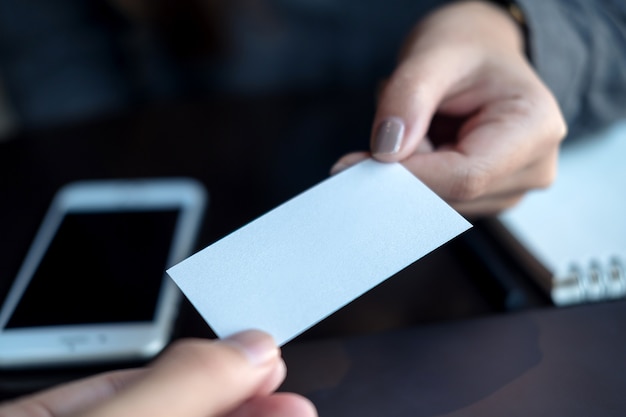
388, 137
258, 346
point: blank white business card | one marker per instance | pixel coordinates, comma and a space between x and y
312, 255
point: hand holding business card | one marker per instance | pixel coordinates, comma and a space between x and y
307, 258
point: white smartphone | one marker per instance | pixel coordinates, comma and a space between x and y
92, 287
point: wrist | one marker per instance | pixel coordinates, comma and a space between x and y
506, 22
515, 12
476, 27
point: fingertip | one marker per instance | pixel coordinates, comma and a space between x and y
385, 157
295, 405
257, 346
282, 404
396, 138
347, 161
338, 167
388, 138
277, 377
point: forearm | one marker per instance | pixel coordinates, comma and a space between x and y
578, 47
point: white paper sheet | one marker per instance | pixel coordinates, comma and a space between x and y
312, 255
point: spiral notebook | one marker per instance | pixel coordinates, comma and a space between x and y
572, 236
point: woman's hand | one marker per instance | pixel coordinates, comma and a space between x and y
466, 113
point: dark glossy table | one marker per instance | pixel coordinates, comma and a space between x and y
537, 362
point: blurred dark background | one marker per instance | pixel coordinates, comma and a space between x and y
64, 61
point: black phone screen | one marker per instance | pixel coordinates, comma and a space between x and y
104, 267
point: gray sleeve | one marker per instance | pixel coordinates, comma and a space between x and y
579, 49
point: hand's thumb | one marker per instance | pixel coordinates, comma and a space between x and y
407, 104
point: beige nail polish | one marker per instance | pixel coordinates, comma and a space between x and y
388, 137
